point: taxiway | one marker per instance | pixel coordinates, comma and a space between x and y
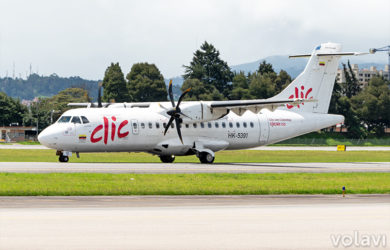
189, 222
190, 168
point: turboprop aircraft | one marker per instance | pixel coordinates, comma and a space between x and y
202, 127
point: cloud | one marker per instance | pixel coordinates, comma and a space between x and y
84, 37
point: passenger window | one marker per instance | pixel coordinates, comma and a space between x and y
172, 125
142, 125
209, 124
64, 119
251, 124
230, 124
237, 124
202, 125
157, 125
223, 125
150, 125
194, 125
216, 124
187, 125
76, 119
244, 124
164, 125
84, 119
135, 125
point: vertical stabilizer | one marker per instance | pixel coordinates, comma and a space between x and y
316, 81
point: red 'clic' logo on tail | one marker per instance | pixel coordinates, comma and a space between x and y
300, 94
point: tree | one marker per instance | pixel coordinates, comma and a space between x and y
265, 67
199, 92
240, 87
373, 104
11, 110
114, 84
282, 80
262, 86
207, 67
146, 84
351, 87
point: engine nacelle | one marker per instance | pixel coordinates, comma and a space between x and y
200, 112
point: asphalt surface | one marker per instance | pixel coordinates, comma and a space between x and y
191, 222
267, 148
174, 168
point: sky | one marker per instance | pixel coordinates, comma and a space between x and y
82, 37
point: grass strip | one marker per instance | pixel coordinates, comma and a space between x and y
68, 184
42, 155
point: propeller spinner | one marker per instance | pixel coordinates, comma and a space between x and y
175, 112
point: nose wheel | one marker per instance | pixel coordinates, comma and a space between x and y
63, 158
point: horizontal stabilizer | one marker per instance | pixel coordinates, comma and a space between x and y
332, 54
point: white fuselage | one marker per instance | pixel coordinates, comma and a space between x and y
136, 130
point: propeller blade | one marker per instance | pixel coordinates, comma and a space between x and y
99, 99
178, 129
182, 96
171, 93
161, 106
169, 124
181, 113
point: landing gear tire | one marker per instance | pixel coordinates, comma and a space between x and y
63, 158
167, 158
207, 158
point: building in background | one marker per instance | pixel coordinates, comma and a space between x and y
364, 75
17, 133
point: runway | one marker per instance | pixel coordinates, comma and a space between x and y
190, 222
266, 148
191, 168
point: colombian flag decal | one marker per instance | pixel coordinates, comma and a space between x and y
82, 137
322, 63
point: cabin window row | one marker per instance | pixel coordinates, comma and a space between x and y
201, 125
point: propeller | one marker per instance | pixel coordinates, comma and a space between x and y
175, 112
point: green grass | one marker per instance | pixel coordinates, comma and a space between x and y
17, 184
333, 139
41, 155
29, 143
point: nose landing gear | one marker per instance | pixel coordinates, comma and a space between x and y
63, 156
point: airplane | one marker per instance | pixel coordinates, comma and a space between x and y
202, 127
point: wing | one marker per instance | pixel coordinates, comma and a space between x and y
240, 106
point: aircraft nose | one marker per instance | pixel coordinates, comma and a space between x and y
43, 137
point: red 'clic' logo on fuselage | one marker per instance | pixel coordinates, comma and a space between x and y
106, 125
302, 96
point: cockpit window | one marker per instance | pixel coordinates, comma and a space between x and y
84, 119
64, 119
76, 119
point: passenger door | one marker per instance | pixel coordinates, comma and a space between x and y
135, 127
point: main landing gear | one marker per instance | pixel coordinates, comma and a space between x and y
206, 157
167, 158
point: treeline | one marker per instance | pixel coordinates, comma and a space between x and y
366, 108
40, 112
44, 86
